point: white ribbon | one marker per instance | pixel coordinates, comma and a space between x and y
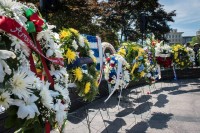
121, 61
159, 71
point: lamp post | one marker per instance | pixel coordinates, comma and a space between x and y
143, 25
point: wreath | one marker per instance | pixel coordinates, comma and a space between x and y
111, 71
75, 49
181, 56
137, 58
28, 56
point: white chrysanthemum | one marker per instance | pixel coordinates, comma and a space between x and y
81, 41
21, 83
46, 97
8, 3
74, 45
60, 74
45, 34
191, 54
27, 107
5, 54
19, 45
63, 91
61, 114
5, 99
4, 68
19, 14
37, 83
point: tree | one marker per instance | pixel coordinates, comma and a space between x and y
133, 17
195, 39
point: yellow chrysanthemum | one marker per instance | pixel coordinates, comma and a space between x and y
75, 32
78, 74
70, 56
142, 74
87, 87
122, 52
65, 34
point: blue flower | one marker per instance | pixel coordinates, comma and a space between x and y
141, 68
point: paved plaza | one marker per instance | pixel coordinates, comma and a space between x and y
166, 107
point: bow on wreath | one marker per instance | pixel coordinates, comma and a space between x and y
35, 23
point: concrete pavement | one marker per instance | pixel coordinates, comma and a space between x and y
166, 107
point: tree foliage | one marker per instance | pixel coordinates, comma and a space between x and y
195, 39
107, 18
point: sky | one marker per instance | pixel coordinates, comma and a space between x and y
187, 17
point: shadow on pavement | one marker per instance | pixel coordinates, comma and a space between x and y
142, 108
143, 98
183, 91
162, 100
140, 127
159, 120
124, 112
114, 126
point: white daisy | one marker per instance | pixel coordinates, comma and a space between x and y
46, 97
27, 107
5, 99
21, 84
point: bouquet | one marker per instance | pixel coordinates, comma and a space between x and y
75, 48
29, 54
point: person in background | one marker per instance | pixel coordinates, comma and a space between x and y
196, 52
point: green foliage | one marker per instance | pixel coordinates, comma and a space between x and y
195, 39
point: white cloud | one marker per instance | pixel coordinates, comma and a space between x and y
187, 18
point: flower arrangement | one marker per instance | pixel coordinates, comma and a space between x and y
137, 58
152, 67
181, 56
191, 54
29, 54
75, 46
114, 73
163, 55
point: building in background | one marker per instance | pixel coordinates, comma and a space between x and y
187, 39
174, 36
